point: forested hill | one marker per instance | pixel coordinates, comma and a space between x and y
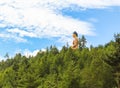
97, 67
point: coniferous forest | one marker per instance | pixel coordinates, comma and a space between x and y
93, 67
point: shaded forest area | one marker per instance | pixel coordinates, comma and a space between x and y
94, 67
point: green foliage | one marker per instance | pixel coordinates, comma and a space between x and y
85, 68
114, 59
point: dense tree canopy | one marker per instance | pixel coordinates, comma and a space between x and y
94, 67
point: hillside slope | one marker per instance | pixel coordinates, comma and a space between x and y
86, 68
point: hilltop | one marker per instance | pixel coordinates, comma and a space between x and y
93, 67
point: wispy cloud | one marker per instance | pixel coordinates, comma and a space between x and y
93, 3
42, 18
21, 33
14, 37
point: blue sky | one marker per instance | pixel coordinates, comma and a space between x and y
105, 21
27, 27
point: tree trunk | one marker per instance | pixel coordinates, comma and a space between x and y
118, 83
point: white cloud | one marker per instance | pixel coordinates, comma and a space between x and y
2, 58
94, 3
65, 39
28, 53
10, 36
43, 50
21, 33
42, 18
2, 25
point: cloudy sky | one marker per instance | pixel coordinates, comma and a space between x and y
27, 26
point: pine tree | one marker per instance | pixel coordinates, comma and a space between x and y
82, 42
66, 68
114, 60
6, 56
